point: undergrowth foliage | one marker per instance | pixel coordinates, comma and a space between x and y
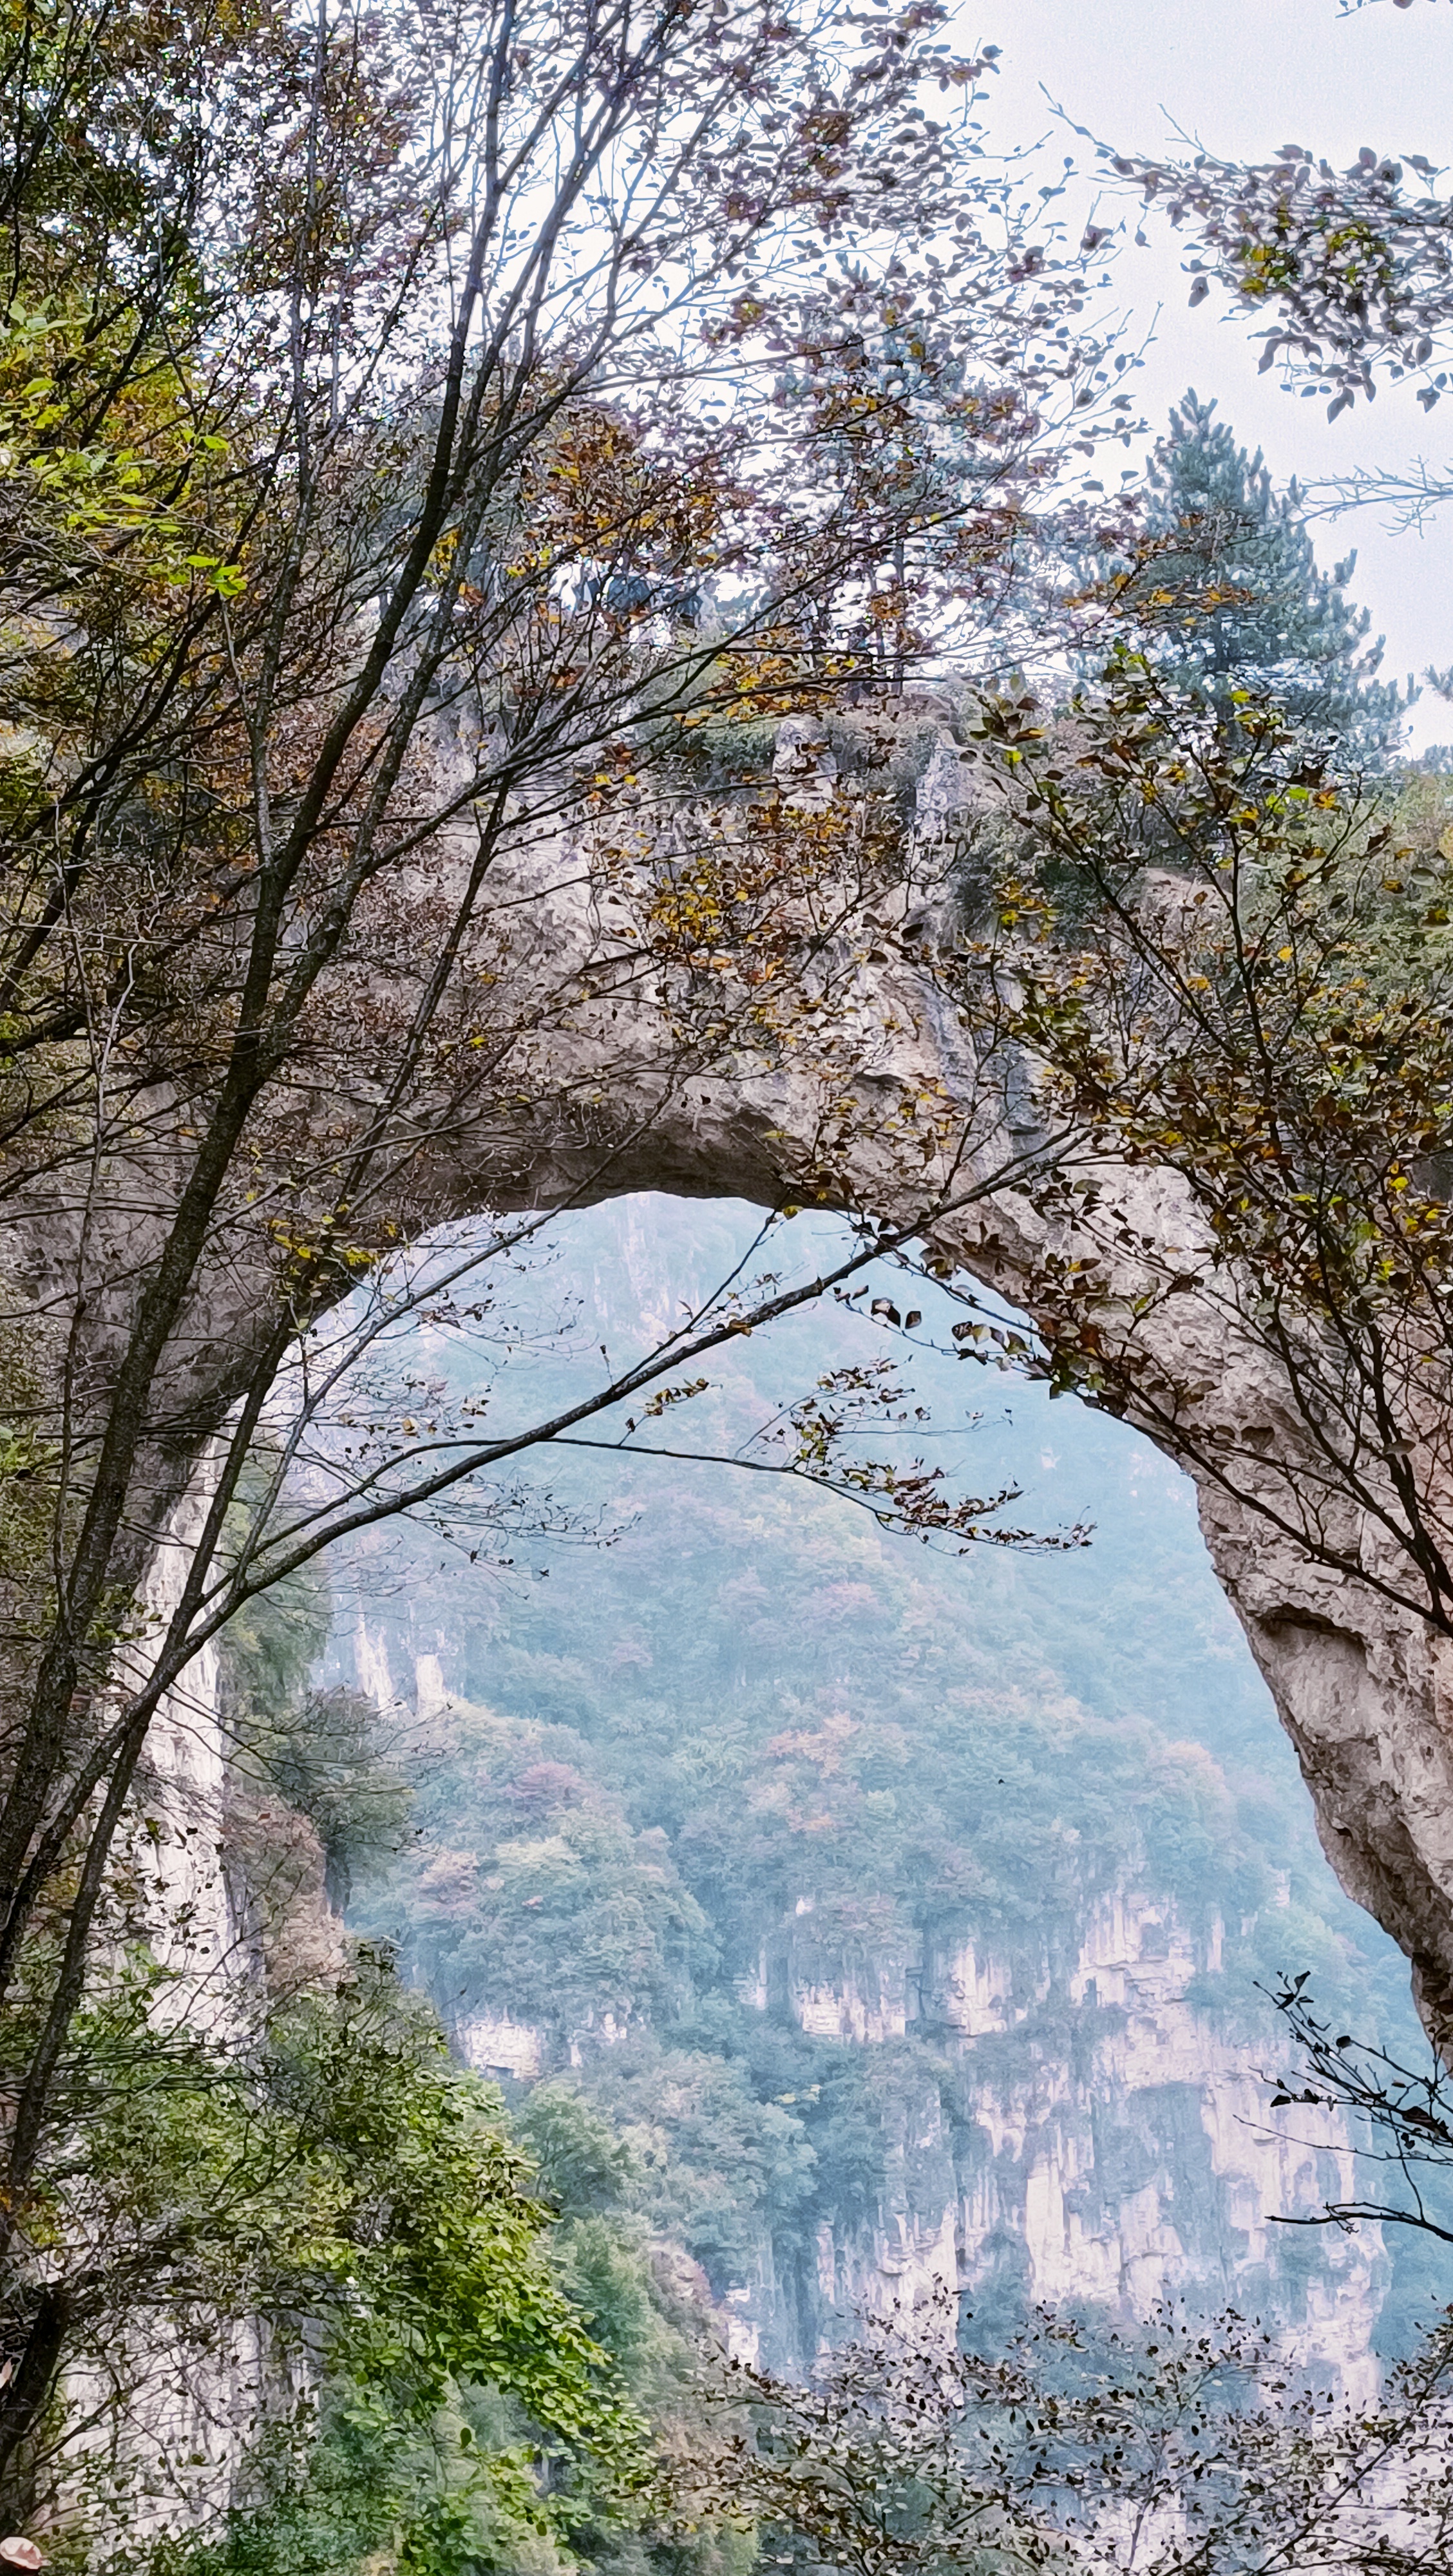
328, 2208
1183, 2448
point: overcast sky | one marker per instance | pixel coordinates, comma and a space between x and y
1246, 76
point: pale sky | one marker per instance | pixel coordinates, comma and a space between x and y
1246, 76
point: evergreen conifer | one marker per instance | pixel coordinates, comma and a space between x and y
1227, 582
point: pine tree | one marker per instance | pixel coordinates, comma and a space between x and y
1227, 581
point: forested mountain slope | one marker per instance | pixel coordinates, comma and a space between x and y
904, 1910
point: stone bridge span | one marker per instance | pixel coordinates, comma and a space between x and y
574, 1055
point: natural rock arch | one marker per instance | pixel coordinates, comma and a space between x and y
598, 1100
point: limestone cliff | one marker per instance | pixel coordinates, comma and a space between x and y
1075, 2125
1102, 2142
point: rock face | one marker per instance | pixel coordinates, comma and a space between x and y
1091, 2135
166, 2426
1365, 1692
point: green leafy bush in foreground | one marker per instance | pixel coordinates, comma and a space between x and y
338, 2185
